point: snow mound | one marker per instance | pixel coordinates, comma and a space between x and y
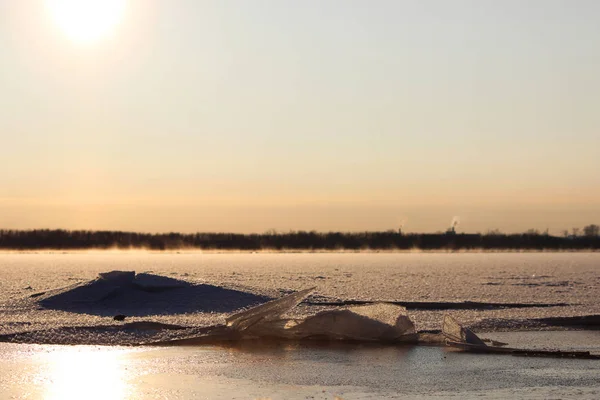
130, 294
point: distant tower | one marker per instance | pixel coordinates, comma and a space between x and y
453, 225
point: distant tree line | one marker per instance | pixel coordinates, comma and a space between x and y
300, 240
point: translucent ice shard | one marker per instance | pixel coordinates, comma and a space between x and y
271, 311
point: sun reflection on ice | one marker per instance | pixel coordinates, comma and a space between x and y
86, 373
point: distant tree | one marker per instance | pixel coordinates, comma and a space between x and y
494, 232
591, 230
565, 233
576, 231
61, 239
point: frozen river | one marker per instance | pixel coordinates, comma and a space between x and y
563, 284
572, 279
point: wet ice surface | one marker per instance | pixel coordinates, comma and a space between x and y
279, 371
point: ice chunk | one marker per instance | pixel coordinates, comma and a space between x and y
455, 332
118, 278
375, 322
271, 311
157, 283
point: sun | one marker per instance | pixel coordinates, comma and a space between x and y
86, 21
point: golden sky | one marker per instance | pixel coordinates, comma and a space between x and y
246, 116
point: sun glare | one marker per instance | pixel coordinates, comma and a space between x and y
86, 21
84, 372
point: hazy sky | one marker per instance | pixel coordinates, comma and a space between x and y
309, 114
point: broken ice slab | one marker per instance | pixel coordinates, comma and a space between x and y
372, 323
454, 331
270, 311
457, 336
